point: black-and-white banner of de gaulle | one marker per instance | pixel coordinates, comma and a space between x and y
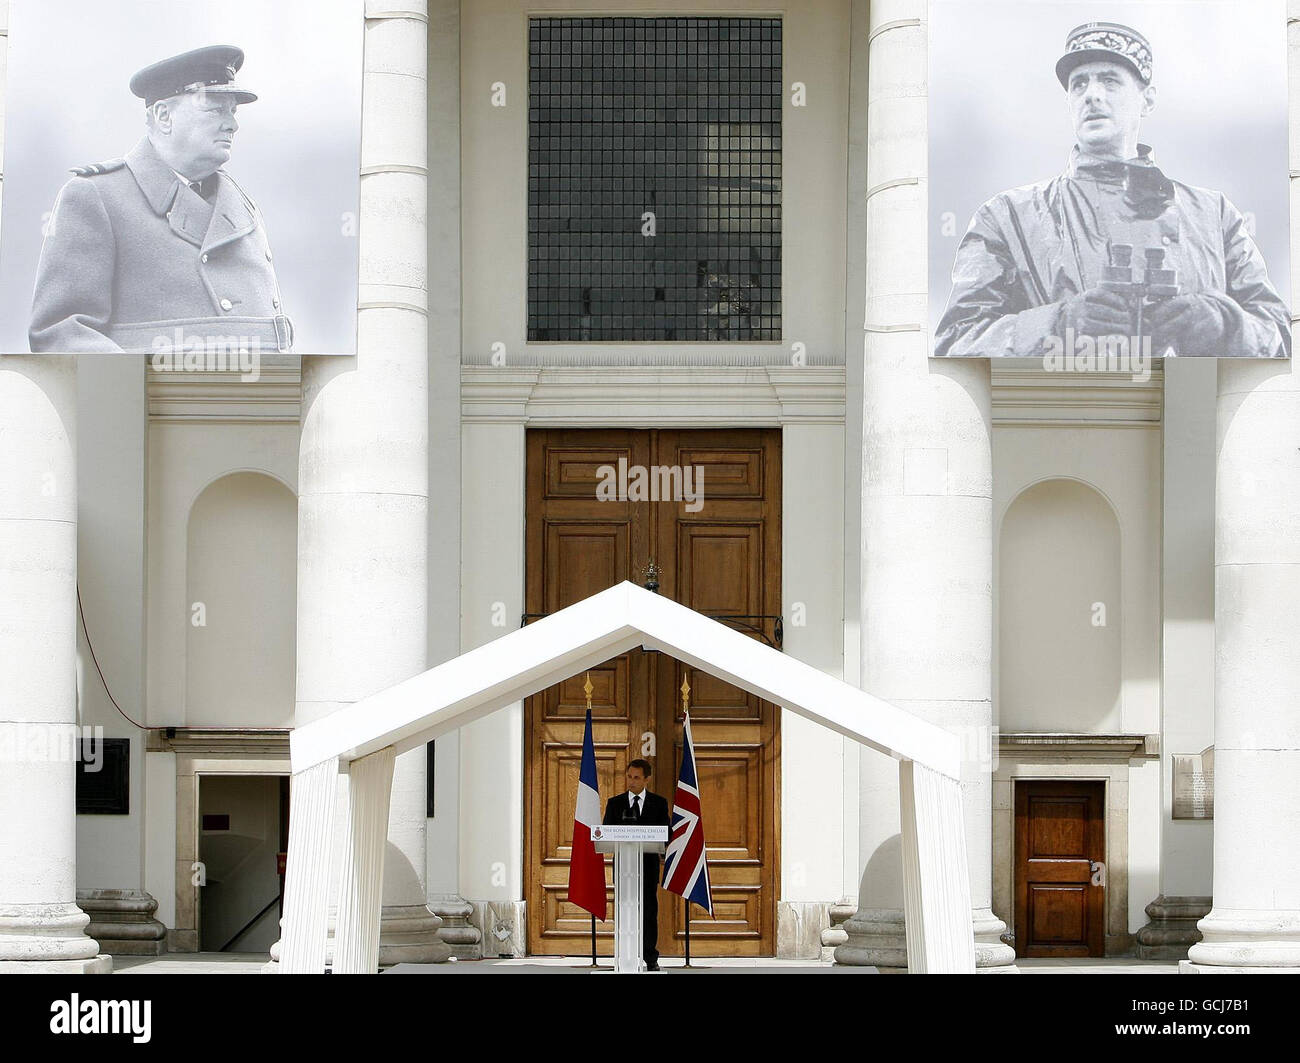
1108, 176
182, 177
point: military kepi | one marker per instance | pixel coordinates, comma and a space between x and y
211, 69
1100, 41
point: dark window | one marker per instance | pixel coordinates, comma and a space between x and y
428, 779
670, 122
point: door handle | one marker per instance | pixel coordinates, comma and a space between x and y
1098, 870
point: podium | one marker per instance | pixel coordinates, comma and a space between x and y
629, 842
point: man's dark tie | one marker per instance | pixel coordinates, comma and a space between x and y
636, 807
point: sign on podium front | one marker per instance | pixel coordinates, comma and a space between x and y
610, 833
629, 842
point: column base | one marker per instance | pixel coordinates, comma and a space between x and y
1172, 927
1187, 967
503, 926
94, 965
992, 954
461, 936
877, 937
122, 922
49, 938
408, 933
1239, 940
835, 935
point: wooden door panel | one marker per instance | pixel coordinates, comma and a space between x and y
719, 568
722, 558
737, 926
733, 472
563, 923
584, 559
575, 471
567, 701
1060, 832
560, 792
1058, 827
1058, 914
731, 801
714, 700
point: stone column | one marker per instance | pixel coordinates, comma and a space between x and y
927, 509
41, 927
364, 471
1255, 921
444, 456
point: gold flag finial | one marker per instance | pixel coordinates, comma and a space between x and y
588, 688
686, 694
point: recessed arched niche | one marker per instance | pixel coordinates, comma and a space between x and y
1060, 630
241, 589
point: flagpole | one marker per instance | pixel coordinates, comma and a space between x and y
686, 907
687, 833
586, 686
589, 891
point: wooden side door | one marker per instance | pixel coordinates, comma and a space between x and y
1060, 837
720, 557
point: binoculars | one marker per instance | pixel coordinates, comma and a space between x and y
1155, 281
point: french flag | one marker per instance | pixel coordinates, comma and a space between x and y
586, 866
686, 869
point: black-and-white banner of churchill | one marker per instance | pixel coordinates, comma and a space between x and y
1108, 182
182, 178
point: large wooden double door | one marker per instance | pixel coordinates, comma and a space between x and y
721, 557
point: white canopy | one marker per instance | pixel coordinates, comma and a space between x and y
362, 740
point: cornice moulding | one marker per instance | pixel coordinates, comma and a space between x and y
1061, 745
654, 396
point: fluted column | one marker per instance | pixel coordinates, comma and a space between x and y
363, 466
927, 550
41, 927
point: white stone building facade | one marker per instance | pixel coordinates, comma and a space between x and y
945, 533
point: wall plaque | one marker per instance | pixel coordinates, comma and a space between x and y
104, 777
1194, 785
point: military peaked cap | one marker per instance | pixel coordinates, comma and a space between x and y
211, 69
1098, 41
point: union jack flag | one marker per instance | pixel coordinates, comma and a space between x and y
686, 870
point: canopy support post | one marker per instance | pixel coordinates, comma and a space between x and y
365, 833
936, 884
304, 935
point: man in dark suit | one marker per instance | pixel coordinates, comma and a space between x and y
638, 805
